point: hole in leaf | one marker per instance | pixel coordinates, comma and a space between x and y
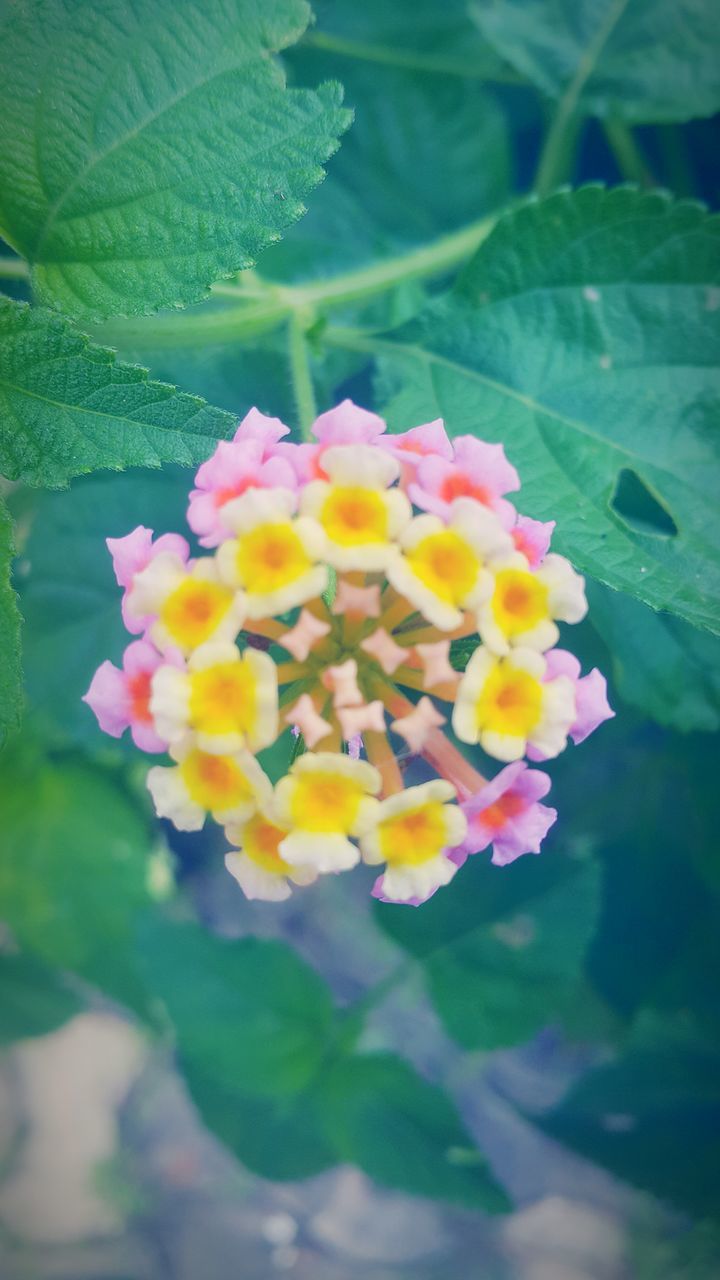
639, 508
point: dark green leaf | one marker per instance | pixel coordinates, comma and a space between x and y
280, 1137
67, 407
660, 664
69, 593
561, 340
653, 1119
151, 150
73, 863
641, 60
406, 1133
33, 999
10, 673
249, 1015
416, 35
501, 982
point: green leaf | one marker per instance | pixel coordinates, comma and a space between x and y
73, 863
248, 1014
69, 594
67, 407
652, 1118
561, 341
426, 155
642, 60
660, 664
415, 35
281, 1137
10, 673
501, 982
150, 151
33, 999
406, 1133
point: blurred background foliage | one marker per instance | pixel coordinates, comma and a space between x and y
610, 939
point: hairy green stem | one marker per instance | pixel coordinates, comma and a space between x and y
628, 155
301, 374
555, 158
256, 314
408, 59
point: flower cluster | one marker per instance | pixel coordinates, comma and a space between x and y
346, 583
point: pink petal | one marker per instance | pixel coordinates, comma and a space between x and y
592, 705
429, 439
486, 464
257, 426
532, 538
107, 697
347, 423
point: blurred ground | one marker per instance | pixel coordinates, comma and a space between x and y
107, 1173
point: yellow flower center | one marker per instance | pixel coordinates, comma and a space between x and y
352, 516
260, 841
414, 836
215, 782
193, 611
519, 601
510, 703
223, 698
446, 564
325, 802
270, 557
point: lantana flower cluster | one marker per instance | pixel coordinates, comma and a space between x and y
368, 604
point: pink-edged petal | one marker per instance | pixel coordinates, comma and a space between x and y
532, 538
592, 705
130, 554
486, 464
347, 423
146, 739
429, 439
141, 656
523, 835
258, 426
560, 662
107, 697
230, 466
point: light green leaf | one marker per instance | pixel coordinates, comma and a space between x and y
33, 999
10, 673
67, 407
247, 1014
642, 60
73, 861
561, 341
660, 664
69, 594
406, 1133
151, 150
499, 983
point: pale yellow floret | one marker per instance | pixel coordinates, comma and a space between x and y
504, 704
359, 516
191, 605
257, 864
525, 604
274, 557
226, 699
411, 833
324, 799
229, 787
443, 569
